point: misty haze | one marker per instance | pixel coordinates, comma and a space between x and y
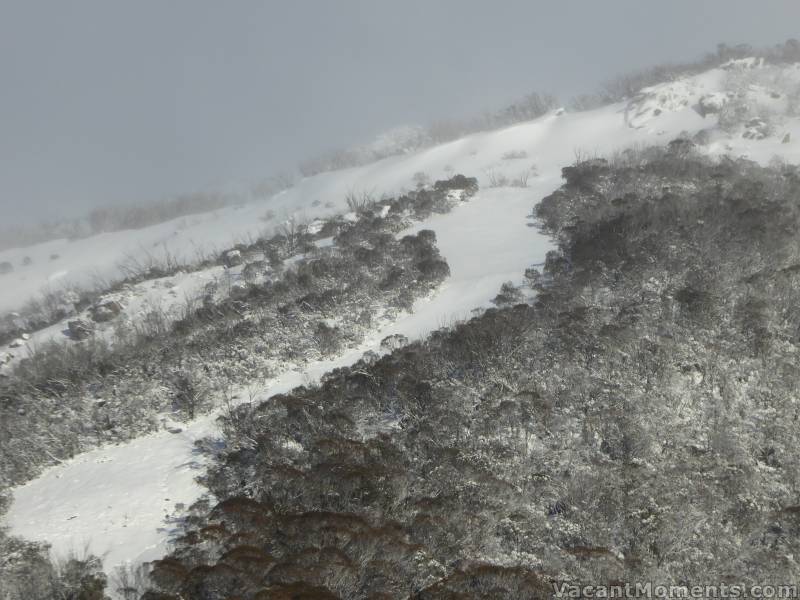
417, 300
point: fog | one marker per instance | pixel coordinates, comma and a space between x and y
110, 102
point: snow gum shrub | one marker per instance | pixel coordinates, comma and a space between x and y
228, 341
327, 338
582, 174
393, 277
190, 391
420, 245
427, 260
458, 182
433, 269
485, 581
509, 295
370, 256
28, 573
427, 237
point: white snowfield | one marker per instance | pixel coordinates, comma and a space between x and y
119, 501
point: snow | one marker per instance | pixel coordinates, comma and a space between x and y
549, 139
550, 142
168, 296
120, 499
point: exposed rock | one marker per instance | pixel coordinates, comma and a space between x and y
787, 138
756, 129
254, 270
232, 258
78, 329
6, 267
712, 103
239, 291
17, 343
105, 310
252, 256
26, 336
315, 226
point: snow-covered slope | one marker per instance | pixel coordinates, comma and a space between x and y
656, 114
549, 142
118, 499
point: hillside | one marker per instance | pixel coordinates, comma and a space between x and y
476, 449
636, 422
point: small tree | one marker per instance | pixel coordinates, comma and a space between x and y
190, 392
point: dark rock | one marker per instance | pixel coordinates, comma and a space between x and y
105, 311
79, 329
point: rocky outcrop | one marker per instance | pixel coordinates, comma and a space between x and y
79, 329
105, 311
232, 258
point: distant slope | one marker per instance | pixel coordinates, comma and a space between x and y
656, 115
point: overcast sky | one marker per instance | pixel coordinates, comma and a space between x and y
104, 101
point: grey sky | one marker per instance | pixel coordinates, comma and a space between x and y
105, 101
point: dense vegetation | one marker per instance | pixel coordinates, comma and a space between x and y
67, 398
636, 423
71, 395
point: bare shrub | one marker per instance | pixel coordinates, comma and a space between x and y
521, 181
360, 202
497, 179
130, 581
